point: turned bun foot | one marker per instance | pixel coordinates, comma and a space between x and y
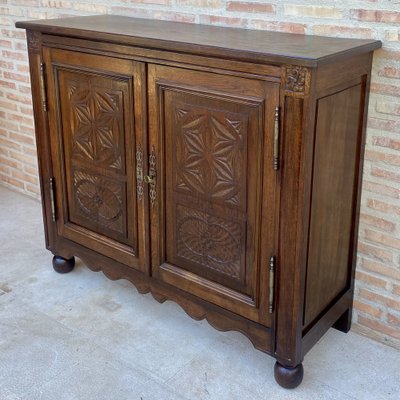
287, 377
63, 265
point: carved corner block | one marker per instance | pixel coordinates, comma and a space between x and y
34, 40
296, 80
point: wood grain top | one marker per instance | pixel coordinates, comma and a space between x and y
232, 43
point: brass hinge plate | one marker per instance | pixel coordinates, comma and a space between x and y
276, 139
272, 263
43, 86
52, 200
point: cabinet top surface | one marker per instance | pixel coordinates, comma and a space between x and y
251, 45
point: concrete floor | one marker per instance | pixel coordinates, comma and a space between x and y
81, 336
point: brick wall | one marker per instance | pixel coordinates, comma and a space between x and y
378, 278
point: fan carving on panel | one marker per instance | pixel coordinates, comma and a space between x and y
210, 241
95, 124
211, 153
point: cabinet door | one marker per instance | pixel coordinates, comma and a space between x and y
96, 113
212, 186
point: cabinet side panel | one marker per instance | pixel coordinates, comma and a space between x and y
337, 150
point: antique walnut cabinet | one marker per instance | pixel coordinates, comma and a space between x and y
216, 167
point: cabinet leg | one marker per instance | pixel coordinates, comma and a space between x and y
288, 377
63, 265
343, 324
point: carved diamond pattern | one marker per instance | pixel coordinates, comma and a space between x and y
211, 152
210, 241
98, 200
95, 123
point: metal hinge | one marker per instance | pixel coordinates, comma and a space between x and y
276, 139
43, 86
52, 200
272, 262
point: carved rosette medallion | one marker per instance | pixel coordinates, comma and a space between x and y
296, 79
210, 241
99, 200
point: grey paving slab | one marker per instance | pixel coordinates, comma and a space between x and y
135, 328
35, 348
5, 394
356, 366
98, 377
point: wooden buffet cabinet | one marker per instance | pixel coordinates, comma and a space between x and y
216, 167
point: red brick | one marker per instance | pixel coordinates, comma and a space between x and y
8, 105
382, 206
24, 177
26, 110
376, 16
31, 170
384, 190
4, 169
386, 142
382, 88
379, 327
22, 138
28, 3
380, 223
396, 289
20, 46
220, 20
382, 173
16, 77
251, 7
14, 55
289, 27
378, 298
382, 124
387, 107
344, 31
10, 162
381, 269
26, 159
5, 43
160, 2
386, 158
23, 68
18, 34
210, 4
18, 98
390, 72
32, 189
6, 64
312, 11
6, 143
367, 309
370, 280
10, 126
393, 319
7, 84
20, 119
375, 252
381, 238
12, 181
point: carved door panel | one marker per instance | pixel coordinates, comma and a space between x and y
96, 113
211, 139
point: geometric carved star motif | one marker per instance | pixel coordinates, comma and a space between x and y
95, 123
211, 152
